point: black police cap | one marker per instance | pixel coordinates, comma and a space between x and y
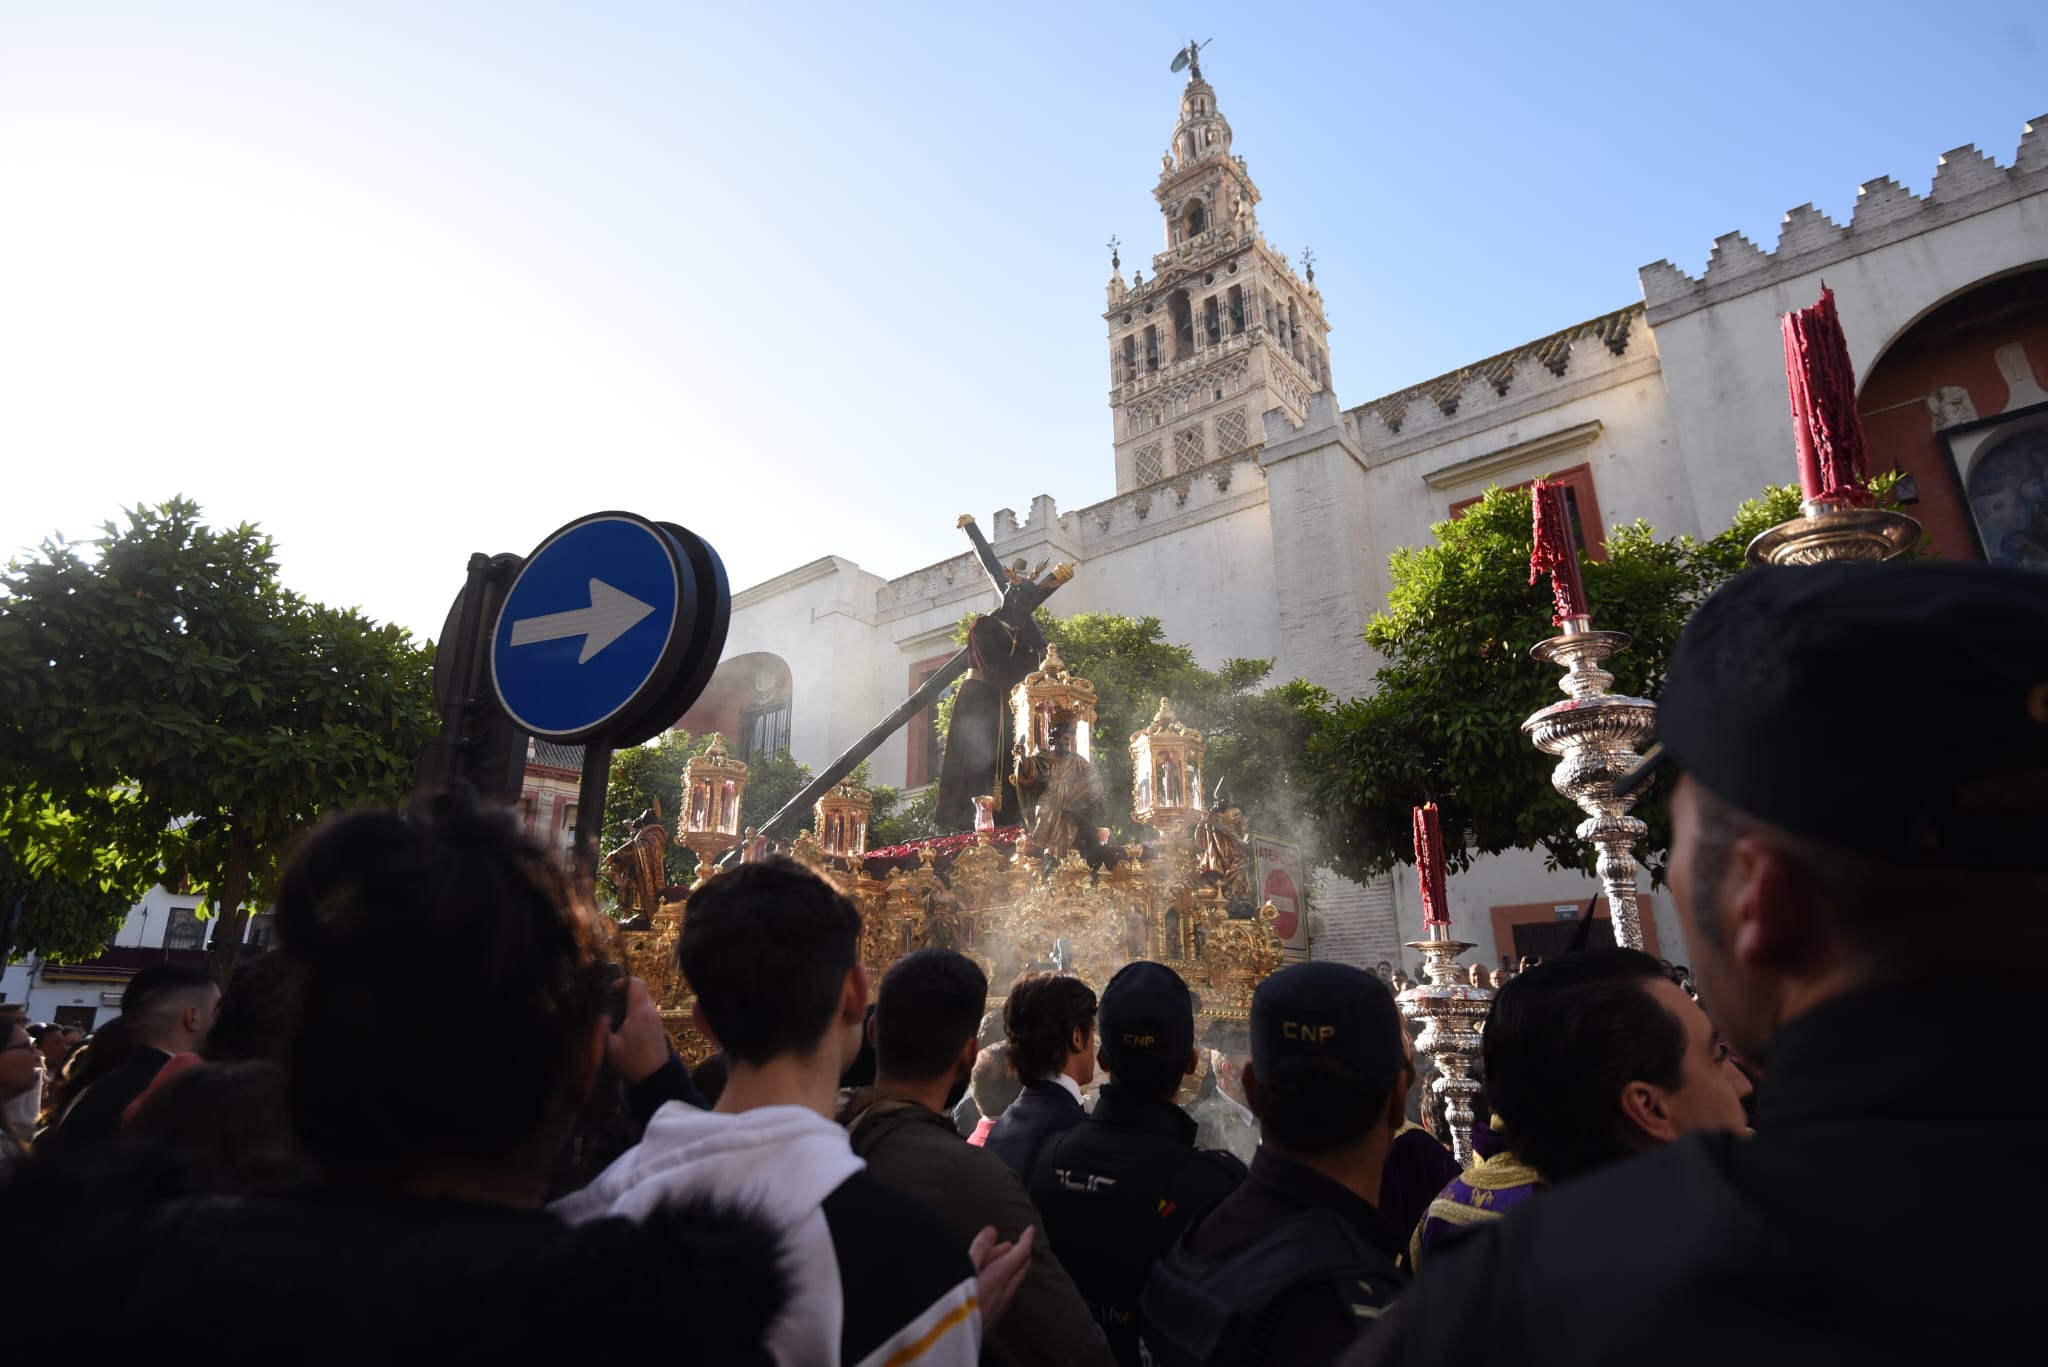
1328, 1011
1898, 711
1146, 1010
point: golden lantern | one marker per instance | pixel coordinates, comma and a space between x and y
1050, 697
842, 817
714, 783
1166, 773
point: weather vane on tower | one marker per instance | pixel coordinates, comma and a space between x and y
1115, 261
1308, 264
1189, 58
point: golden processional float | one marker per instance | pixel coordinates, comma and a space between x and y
997, 894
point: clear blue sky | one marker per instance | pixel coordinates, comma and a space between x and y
401, 281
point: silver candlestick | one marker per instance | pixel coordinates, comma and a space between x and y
1451, 1011
1596, 734
1826, 531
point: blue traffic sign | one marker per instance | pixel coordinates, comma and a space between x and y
594, 623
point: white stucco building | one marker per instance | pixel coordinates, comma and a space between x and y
1255, 513
165, 924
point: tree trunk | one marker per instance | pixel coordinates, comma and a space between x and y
226, 952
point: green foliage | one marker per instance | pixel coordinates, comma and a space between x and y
163, 692
1445, 720
645, 777
62, 920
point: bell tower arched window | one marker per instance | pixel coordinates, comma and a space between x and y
1197, 218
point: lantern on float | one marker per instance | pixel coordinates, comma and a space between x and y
1049, 698
714, 785
842, 817
1166, 773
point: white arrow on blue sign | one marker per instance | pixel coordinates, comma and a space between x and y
590, 625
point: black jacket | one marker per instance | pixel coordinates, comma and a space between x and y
95, 1117
1042, 1110
1866, 1221
1116, 1192
1316, 1318
347, 1276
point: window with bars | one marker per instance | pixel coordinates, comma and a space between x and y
1187, 449
764, 731
185, 930
1146, 468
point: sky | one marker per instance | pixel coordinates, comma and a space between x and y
399, 282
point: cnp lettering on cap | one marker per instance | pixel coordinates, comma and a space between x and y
1301, 1030
1140, 1041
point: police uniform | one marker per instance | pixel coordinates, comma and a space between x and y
1293, 1266
1118, 1190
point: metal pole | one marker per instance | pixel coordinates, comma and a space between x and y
597, 775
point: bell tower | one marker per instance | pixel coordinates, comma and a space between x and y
1224, 331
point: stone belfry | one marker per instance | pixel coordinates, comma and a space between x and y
1224, 331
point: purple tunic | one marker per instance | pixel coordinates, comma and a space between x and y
1485, 1191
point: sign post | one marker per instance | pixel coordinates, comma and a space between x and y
1276, 864
607, 635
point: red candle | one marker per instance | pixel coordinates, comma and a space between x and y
1429, 866
1555, 551
1834, 460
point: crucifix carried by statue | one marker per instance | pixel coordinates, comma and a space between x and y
1004, 646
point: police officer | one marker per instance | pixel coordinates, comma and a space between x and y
1298, 1261
1120, 1188
1863, 782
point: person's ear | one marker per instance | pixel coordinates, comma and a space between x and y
1248, 1076
853, 1001
869, 1031
1194, 1062
970, 1054
1774, 917
1102, 1060
1080, 1044
1644, 1107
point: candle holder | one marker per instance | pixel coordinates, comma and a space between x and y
1827, 531
1595, 733
1451, 1011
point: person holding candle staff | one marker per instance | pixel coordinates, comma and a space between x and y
1820, 874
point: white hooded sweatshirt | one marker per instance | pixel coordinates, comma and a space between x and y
869, 1253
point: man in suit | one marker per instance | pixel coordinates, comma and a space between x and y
1049, 1030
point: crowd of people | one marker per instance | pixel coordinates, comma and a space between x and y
892, 1173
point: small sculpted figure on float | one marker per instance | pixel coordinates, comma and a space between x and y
1223, 848
639, 868
1061, 792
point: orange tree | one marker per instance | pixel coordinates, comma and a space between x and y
169, 712
1443, 721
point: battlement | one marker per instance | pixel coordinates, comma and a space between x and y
1529, 373
1966, 182
1213, 490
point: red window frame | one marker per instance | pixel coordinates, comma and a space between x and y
1585, 502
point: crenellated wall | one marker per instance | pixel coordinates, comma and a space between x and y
1899, 258
1966, 183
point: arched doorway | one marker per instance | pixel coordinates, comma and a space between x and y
748, 702
1959, 402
